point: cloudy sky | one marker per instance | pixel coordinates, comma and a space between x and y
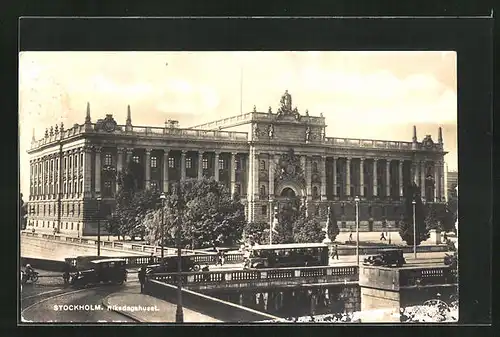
373, 95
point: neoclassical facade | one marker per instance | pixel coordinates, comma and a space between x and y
268, 158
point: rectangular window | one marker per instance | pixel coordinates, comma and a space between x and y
171, 162
189, 163
205, 163
108, 159
135, 159
264, 210
221, 164
154, 162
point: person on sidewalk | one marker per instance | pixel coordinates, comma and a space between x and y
142, 277
382, 236
335, 252
350, 236
218, 258
151, 259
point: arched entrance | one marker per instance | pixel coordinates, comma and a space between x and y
288, 193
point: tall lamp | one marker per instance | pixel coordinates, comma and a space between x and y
414, 231
99, 225
162, 197
179, 314
357, 228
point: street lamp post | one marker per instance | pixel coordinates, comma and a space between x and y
162, 197
179, 314
357, 229
414, 230
99, 225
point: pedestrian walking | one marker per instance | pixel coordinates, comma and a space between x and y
382, 236
335, 252
350, 236
142, 277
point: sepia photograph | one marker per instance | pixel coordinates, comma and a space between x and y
238, 187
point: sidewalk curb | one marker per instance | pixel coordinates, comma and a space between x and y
105, 303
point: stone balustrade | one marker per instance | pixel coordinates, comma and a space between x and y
429, 276
261, 278
176, 133
115, 244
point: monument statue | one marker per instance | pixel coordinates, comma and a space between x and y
271, 131
308, 134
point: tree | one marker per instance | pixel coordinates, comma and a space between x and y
258, 232
448, 217
308, 230
204, 211
333, 227
132, 203
411, 193
287, 216
431, 218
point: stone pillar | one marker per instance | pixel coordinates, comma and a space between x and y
200, 164
442, 180
361, 177
165, 170
129, 155
255, 173
308, 177
422, 179
323, 178
97, 170
437, 181
183, 165
400, 178
66, 173
147, 168
249, 169
87, 172
414, 172
388, 177
216, 165
119, 163
271, 179
232, 167
375, 182
54, 169
348, 176
334, 164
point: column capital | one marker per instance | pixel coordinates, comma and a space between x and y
323, 157
120, 150
201, 152
348, 158
130, 150
362, 159
234, 153
97, 149
183, 153
217, 152
148, 150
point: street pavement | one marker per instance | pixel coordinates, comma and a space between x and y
145, 308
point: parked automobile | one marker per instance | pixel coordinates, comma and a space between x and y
102, 271
386, 258
170, 265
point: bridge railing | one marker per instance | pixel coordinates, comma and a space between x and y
409, 277
140, 248
340, 273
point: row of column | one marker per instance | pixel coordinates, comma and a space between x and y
419, 176
50, 176
362, 177
165, 167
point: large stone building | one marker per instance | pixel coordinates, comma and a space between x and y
267, 158
451, 183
